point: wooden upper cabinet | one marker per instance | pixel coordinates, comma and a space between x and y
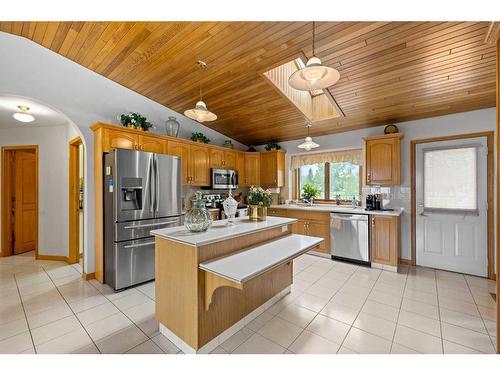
252, 169
272, 171
384, 236
240, 168
152, 144
222, 159
199, 165
383, 159
216, 158
182, 150
119, 139
230, 160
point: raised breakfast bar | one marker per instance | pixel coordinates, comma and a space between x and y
210, 284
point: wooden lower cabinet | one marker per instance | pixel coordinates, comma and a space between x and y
384, 239
310, 223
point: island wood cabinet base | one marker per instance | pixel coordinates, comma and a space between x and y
219, 339
181, 291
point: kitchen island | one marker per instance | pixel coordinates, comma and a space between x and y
210, 284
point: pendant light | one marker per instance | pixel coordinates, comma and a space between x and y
314, 76
200, 112
308, 145
23, 114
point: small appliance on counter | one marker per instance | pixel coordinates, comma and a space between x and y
373, 202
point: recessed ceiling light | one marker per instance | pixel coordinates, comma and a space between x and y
23, 114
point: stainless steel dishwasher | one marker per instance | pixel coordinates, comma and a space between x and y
349, 238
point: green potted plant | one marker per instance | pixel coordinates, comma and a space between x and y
273, 145
309, 192
135, 120
199, 137
258, 201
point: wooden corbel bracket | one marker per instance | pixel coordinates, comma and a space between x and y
212, 282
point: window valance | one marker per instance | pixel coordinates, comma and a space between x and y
354, 156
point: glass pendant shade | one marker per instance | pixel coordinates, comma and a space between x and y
23, 115
314, 76
200, 113
308, 144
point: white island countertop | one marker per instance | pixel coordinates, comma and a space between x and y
220, 231
339, 209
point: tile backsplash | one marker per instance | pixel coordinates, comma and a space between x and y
188, 193
394, 196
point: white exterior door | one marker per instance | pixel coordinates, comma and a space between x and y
451, 212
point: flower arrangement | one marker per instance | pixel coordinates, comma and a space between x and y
273, 145
310, 191
258, 196
135, 120
199, 137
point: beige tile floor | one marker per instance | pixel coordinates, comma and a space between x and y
46, 307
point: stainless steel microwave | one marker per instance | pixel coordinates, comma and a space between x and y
224, 179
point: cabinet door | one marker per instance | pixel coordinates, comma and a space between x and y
152, 144
252, 168
383, 161
229, 160
216, 158
240, 168
199, 165
384, 239
299, 227
320, 229
268, 169
119, 139
182, 150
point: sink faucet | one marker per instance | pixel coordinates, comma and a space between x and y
309, 201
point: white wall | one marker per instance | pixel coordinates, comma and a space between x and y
28, 69
53, 183
462, 123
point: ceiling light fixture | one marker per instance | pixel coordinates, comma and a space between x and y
308, 145
200, 112
314, 76
23, 114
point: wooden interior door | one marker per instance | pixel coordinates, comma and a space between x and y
25, 197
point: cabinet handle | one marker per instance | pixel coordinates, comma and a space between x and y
368, 177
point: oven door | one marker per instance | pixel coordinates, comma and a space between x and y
224, 179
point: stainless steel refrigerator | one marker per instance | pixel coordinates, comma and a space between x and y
142, 192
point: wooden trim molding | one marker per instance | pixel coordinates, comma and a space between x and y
490, 193
498, 191
6, 245
60, 258
74, 193
88, 276
493, 33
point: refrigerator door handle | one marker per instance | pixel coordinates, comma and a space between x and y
157, 184
151, 186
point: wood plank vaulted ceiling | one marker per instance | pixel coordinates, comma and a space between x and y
390, 71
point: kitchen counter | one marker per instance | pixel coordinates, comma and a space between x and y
220, 231
339, 209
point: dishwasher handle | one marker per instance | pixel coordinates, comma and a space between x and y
357, 217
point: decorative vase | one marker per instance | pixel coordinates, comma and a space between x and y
257, 212
228, 144
172, 126
197, 218
230, 205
